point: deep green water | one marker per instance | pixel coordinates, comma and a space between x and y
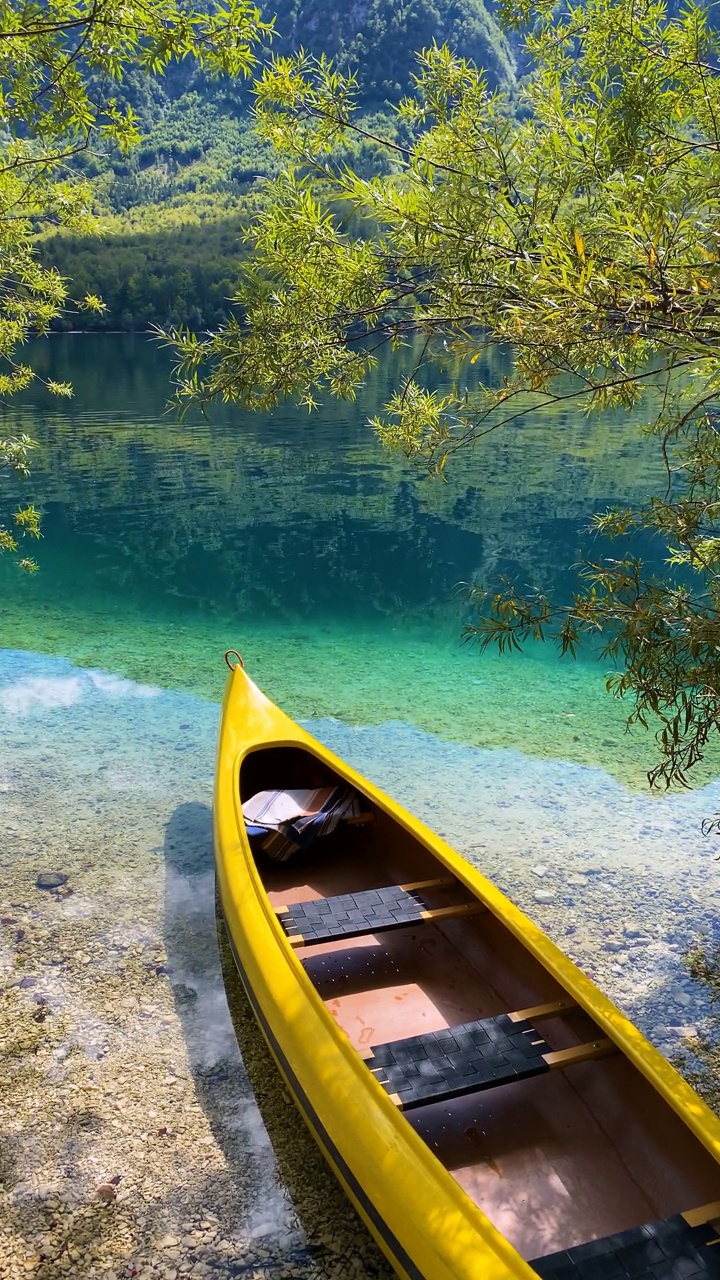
333, 565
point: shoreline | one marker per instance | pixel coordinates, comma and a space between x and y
532, 703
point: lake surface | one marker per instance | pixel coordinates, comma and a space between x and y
330, 563
296, 519
334, 568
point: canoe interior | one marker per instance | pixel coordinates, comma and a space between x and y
555, 1160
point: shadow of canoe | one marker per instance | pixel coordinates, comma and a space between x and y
286, 1196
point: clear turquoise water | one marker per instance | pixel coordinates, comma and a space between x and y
333, 567
293, 518
74, 741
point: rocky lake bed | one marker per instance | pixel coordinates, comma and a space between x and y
146, 1130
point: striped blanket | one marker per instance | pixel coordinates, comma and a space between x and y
291, 820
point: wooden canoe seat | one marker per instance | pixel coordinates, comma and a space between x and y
475, 1056
350, 915
684, 1247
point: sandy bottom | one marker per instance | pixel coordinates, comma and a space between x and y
145, 1129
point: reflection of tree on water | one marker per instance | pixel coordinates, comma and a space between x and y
285, 517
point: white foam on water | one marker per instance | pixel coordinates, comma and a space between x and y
40, 692
119, 687
44, 693
272, 1215
213, 1038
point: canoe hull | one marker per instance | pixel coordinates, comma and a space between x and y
419, 1216
426, 1225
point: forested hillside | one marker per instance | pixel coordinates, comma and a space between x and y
173, 211
381, 37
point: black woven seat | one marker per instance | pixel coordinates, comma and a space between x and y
458, 1060
669, 1250
350, 915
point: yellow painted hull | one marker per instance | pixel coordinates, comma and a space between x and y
421, 1218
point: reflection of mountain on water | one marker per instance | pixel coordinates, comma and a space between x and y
285, 514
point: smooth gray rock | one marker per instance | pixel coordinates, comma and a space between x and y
51, 880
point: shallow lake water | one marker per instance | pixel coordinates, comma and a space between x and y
333, 567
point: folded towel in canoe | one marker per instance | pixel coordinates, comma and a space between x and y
291, 820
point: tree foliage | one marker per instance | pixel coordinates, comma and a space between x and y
585, 233
60, 64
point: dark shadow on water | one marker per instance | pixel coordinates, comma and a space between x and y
218, 1076
189, 841
232, 1070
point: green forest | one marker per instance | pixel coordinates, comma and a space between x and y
168, 247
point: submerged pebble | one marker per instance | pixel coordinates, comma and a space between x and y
51, 880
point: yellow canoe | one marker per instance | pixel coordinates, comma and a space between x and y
399, 992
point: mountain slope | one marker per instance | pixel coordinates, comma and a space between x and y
381, 38
172, 212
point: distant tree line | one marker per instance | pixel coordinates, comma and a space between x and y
179, 274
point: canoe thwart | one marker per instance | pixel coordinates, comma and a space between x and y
440, 883
707, 1213
350, 915
543, 1010
672, 1248
522, 1015
457, 1060
449, 913
581, 1053
445, 1064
